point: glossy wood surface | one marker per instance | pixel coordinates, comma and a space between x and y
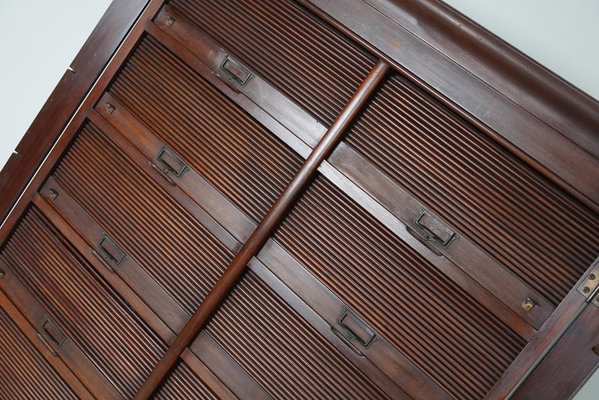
306, 199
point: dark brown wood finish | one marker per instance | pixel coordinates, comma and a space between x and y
166, 332
274, 216
205, 49
23, 370
63, 137
560, 157
189, 157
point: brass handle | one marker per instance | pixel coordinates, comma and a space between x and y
347, 342
51, 336
162, 174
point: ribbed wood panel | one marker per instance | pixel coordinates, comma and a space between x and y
24, 373
288, 357
173, 247
92, 314
287, 46
539, 233
182, 383
231, 150
433, 322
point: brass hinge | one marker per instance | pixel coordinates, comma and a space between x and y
590, 287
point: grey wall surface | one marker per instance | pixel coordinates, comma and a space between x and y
38, 41
36, 50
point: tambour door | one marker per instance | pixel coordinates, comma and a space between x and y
471, 198
26, 374
83, 320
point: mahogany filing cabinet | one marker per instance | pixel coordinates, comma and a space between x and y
301, 199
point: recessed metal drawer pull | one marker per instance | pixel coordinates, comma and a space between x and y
110, 251
171, 163
236, 71
52, 336
354, 330
433, 229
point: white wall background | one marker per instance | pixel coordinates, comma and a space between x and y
40, 38
38, 41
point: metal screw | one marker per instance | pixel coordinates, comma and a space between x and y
2, 273
528, 304
586, 289
53, 194
592, 277
169, 21
110, 108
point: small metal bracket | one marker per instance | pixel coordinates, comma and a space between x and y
110, 108
590, 287
355, 329
53, 333
434, 230
110, 251
171, 163
528, 304
235, 71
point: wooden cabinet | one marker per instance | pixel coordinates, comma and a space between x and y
301, 200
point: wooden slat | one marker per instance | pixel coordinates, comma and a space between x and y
286, 45
210, 52
73, 126
200, 60
226, 368
573, 359
129, 270
515, 128
167, 333
381, 363
191, 182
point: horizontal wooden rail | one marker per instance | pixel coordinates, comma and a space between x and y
263, 231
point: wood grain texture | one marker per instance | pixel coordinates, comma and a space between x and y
92, 315
184, 384
507, 70
281, 351
487, 195
309, 62
497, 148
481, 102
233, 152
570, 363
127, 203
399, 293
24, 371
265, 228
